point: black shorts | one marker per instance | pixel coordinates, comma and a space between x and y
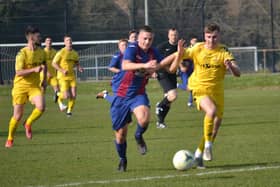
168, 81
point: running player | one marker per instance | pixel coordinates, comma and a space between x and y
51, 74
139, 62
185, 71
30, 61
132, 37
115, 66
211, 61
64, 62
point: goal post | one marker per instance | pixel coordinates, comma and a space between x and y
246, 57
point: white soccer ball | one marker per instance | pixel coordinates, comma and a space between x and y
183, 160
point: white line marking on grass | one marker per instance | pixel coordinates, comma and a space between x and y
163, 177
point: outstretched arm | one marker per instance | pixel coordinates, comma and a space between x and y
173, 60
25, 72
233, 67
128, 65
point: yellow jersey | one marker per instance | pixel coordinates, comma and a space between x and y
27, 59
50, 53
66, 60
209, 68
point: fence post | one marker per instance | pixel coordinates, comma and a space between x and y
96, 68
264, 60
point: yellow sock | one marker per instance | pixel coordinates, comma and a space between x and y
71, 104
12, 128
208, 128
36, 113
201, 144
59, 100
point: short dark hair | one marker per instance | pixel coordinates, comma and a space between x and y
123, 40
48, 37
67, 36
172, 29
132, 32
146, 28
30, 29
211, 27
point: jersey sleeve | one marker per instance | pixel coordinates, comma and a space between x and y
188, 53
130, 54
158, 55
77, 57
20, 58
115, 61
57, 57
160, 48
227, 54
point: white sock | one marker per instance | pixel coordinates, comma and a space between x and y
198, 153
208, 144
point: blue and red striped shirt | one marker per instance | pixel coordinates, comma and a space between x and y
132, 82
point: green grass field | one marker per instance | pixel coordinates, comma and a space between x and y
79, 151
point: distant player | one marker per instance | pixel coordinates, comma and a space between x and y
167, 80
115, 66
185, 71
132, 37
211, 61
51, 73
64, 62
139, 62
30, 61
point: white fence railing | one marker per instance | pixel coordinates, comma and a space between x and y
95, 57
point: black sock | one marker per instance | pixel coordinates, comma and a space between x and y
164, 102
165, 112
165, 106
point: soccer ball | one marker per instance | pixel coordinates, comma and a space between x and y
183, 160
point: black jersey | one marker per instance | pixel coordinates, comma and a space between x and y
166, 49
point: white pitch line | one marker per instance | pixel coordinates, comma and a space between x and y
257, 168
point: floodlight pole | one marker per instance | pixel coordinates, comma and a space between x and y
203, 17
146, 12
272, 35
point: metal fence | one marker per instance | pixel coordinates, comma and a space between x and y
95, 60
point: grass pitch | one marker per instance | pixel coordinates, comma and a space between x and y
79, 151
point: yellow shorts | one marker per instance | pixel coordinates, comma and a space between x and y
53, 81
22, 95
65, 85
218, 99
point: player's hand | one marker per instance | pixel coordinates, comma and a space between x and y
81, 69
152, 64
180, 47
64, 71
228, 64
